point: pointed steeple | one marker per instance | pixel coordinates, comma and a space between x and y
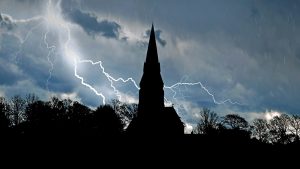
151, 97
152, 56
152, 114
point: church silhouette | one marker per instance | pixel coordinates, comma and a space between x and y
153, 118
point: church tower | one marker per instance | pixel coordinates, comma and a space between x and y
151, 94
153, 118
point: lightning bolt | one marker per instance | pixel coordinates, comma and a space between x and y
72, 55
27, 35
68, 52
86, 84
51, 50
130, 79
18, 35
22, 41
108, 76
203, 87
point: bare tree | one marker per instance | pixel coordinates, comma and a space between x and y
126, 111
116, 105
129, 111
294, 123
31, 98
58, 104
260, 129
208, 123
17, 109
4, 110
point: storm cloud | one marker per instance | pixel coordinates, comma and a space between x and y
91, 24
246, 51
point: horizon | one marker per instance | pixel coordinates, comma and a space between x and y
231, 57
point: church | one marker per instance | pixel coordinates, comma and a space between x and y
153, 118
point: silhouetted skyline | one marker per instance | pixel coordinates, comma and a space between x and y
244, 52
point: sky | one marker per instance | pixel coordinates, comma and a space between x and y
230, 56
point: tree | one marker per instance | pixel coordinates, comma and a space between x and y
57, 104
294, 122
79, 118
208, 122
126, 111
31, 98
40, 118
235, 129
108, 122
17, 109
278, 129
62, 110
234, 121
4, 120
260, 129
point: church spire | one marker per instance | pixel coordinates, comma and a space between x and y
152, 115
151, 97
152, 56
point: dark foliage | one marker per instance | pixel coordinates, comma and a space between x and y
59, 124
32, 117
109, 122
70, 118
4, 119
208, 123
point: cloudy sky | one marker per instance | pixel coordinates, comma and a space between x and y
231, 56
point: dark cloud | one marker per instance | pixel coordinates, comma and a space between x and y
6, 22
158, 37
91, 24
246, 51
9, 72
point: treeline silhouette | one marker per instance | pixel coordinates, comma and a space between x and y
280, 130
30, 116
